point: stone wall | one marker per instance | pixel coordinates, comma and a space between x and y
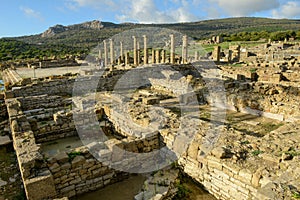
78, 172
264, 99
37, 179
230, 173
223, 180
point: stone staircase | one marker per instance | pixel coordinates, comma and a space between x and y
11, 76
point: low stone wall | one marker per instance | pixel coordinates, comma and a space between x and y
60, 125
78, 172
37, 179
264, 99
43, 101
223, 180
61, 87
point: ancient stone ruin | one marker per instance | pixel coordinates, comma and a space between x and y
233, 129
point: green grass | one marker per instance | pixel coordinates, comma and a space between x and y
72, 155
268, 127
296, 195
256, 152
182, 191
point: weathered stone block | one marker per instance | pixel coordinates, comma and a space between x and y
40, 188
77, 161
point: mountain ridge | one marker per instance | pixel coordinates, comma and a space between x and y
81, 37
90, 33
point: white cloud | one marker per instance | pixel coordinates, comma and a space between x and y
146, 11
238, 8
31, 13
141, 11
98, 4
289, 10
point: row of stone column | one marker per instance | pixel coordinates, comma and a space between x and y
158, 55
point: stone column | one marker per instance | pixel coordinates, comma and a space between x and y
138, 53
216, 53
127, 61
184, 49
105, 53
121, 50
163, 56
229, 55
100, 54
157, 56
145, 50
196, 55
112, 56
172, 50
135, 53
153, 56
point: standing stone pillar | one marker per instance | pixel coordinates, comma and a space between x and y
145, 50
112, 56
153, 56
121, 50
163, 56
157, 56
229, 56
105, 53
138, 53
100, 54
184, 49
135, 53
127, 61
196, 55
216, 53
172, 50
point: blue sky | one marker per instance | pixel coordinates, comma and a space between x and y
26, 17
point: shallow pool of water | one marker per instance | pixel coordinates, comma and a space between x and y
61, 145
125, 190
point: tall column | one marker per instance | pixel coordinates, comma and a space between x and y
145, 50
112, 56
157, 56
100, 54
138, 53
153, 56
135, 56
172, 52
163, 56
196, 55
127, 58
121, 49
216, 53
184, 49
105, 54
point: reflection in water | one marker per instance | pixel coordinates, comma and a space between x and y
125, 190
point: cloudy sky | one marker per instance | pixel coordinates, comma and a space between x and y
27, 17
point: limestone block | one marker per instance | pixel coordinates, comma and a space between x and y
42, 187
151, 100
77, 161
9, 95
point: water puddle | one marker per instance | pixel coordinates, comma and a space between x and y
125, 190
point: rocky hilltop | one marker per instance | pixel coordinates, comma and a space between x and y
93, 25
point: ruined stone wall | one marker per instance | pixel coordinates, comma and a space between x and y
265, 99
37, 179
43, 101
61, 87
223, 180
79, 172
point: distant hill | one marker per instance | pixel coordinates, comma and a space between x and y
86, 35
90, 33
